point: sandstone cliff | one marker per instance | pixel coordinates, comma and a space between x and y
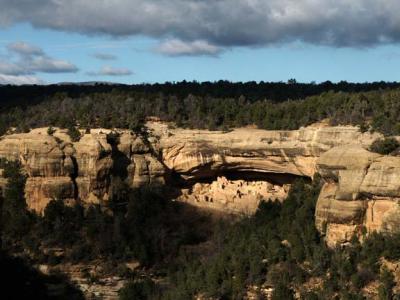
227, 171
273, 157
78, 172
196, 154
361, 193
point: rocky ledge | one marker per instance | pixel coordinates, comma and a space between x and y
361, 193
225, 171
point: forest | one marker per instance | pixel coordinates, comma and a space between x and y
220, 105
279, 246
26, 95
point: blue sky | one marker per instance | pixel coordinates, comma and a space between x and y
135, 54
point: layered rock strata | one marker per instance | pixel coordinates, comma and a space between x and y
78, 171
197, 154
60, 169
361, 190
361, 193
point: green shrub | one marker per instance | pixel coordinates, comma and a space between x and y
74, 133
384, 146
50, 130
385, 290
143, 289
281, 292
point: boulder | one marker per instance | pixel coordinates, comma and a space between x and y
361, 192
383, 177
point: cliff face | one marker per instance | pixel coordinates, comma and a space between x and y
196, 154
80, 171
273, 157
362, 192
226, 171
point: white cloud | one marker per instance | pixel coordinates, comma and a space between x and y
9, 68
24, 48
25, 60
19, 80
50, 65
111, 71
223, 23
175, 47
31, 59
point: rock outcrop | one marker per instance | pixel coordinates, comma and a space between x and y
196, 154
226, 171
78, 171
85, 170
361, 193
45, 163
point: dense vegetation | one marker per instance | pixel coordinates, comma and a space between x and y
279, 246
384, 146
212, 108
23, 96
142, 226
19, 279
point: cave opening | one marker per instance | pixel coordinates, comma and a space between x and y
178, 181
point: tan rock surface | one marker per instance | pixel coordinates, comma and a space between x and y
329, 210
92, 154
39, 153
201, 153
383, 177
3, 181
344, 157
39, 191
85, 170
79, 171
382, 215
338, 234
146, 169
362, 190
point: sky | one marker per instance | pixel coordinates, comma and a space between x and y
148, 41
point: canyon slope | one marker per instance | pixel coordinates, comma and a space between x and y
229, 172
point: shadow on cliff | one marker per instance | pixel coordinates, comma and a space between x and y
120, 160
207, 175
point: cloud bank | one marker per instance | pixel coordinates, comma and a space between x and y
20, 80
175, 47
25, 49
25, 60
221, 23
111, 71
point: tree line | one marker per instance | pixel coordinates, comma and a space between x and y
23, 96
374, 110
